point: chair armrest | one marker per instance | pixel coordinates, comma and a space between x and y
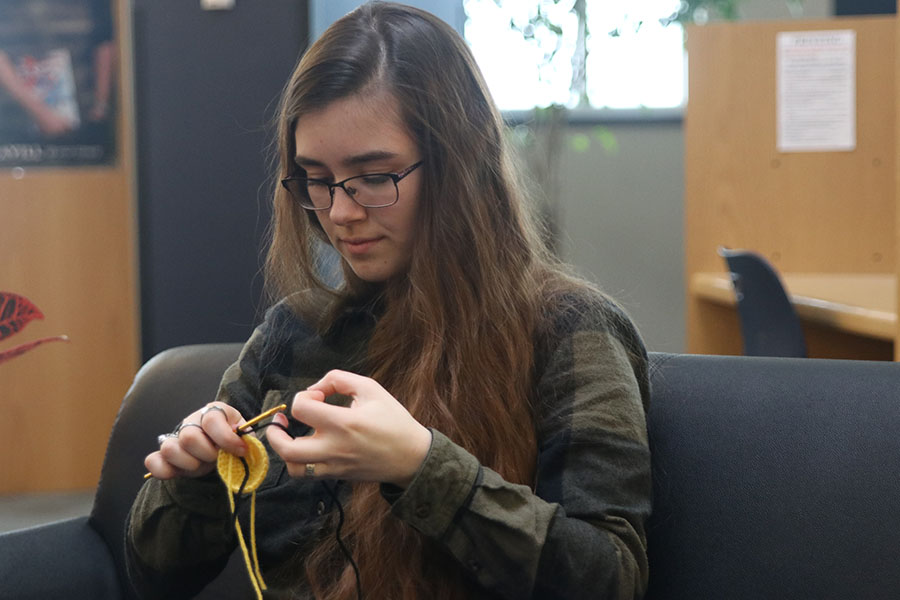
66, 559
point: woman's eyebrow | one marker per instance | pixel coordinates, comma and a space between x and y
303, 161
367, 157
356, 159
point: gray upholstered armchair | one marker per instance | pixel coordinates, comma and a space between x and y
773, 478
84, 557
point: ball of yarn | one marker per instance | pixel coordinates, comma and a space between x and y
231, 470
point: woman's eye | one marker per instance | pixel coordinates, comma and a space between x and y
376, 179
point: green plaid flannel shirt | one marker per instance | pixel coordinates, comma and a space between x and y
578, 533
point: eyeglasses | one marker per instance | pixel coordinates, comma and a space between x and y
372, 190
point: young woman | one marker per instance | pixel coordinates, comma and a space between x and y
480, 413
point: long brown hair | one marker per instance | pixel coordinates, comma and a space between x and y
455, 344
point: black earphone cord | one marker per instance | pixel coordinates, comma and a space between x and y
331, 492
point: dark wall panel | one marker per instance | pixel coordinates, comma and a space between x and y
864, 7
207, 84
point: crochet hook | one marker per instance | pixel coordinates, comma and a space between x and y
248, 424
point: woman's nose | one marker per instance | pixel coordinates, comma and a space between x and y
344, 209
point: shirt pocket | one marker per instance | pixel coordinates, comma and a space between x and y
277, 470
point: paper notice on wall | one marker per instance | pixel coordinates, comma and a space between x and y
816, 88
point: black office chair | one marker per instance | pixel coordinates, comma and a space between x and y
769, 324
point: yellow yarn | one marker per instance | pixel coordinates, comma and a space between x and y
231, 471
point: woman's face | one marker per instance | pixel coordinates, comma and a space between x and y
357, 136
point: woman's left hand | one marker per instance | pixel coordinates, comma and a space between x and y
374, 439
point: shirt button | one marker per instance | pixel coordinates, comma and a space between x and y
320, 508
474, 565
423, 510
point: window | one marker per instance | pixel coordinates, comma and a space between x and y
634, 61
618, 54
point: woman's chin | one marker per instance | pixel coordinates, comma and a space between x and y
376, 273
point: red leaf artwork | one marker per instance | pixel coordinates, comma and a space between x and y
23, 348
15, 313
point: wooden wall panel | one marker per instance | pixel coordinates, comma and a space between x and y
812, 211
896, 165
68, 244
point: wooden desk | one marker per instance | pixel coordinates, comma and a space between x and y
861, 304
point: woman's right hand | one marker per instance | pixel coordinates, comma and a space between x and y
194, 449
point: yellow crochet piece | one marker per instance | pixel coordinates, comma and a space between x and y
232, 472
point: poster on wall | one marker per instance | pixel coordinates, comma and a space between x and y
57, 83
816, 91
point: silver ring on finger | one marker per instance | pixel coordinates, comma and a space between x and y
182, 426
163, 437
310, 469
209, 408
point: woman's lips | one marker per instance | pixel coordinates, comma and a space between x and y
359, 245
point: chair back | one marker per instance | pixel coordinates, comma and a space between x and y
774, 478
769, 324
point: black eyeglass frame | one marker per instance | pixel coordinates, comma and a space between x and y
395, 177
